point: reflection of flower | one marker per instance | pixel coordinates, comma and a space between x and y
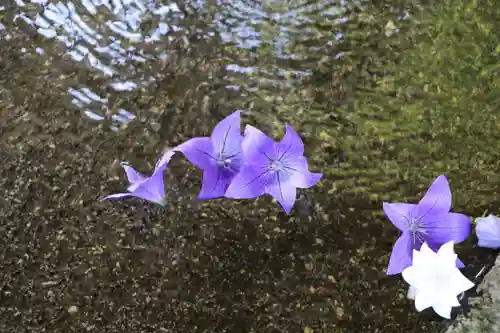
429, 221
435, 279
488, 231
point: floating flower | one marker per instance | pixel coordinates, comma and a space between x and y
274, 168
147, 188
488, 231
218, 155
429, 221
434, 279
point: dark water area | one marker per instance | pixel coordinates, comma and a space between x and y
386, 96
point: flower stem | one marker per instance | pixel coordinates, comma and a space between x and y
475, 218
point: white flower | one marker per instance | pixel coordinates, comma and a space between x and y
412, 292
488, 231
434, 279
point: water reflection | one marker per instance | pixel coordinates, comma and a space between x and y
109, 37
126, 42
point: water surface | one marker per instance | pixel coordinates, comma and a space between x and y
87, 84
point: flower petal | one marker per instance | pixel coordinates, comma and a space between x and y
299, 175
152, 189
400, 214
442, 308
215, 183
459, 283
436, 201
165, 159
280, 188
401, 254
250, 182
253, 141
447, 249
423, 301
435, 247
198, 151
488, 231
442, 228
116, 196
412, 291
141, 194
132, 175
226, 135
292, 142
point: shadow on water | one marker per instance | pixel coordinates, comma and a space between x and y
87, 84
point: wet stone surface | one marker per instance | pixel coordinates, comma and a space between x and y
485, 315
72, 263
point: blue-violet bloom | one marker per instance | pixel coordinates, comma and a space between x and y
488, 231
219, 156
147, 188
274, 168
429, 221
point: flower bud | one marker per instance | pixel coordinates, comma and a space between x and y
488, 231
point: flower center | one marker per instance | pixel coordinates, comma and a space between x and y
223, 162
414, 226
276, 165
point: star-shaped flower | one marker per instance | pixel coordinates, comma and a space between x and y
429, 221
147, 188
434, 279
218, 155
274, 168
488, 231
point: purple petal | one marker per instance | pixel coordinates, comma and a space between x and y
488, 231
116, 196
226, 137
132, 175
250, 182
215, 183
292, 141
141, 194
253, 140
165, 159
440, 229
436, 201
198, 151
299, 175
400, 214
401, 254
153, 188
283, 191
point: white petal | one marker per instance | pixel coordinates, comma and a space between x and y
425, 249
447, 249
419, 258
412, 292
447, 256
423, 300
459, 283
443, 309
453, 300
411, 276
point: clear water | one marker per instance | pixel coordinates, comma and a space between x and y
87, 84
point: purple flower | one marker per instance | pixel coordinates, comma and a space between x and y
272, 168
147, 188
488, 231
429, 221
218, 155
